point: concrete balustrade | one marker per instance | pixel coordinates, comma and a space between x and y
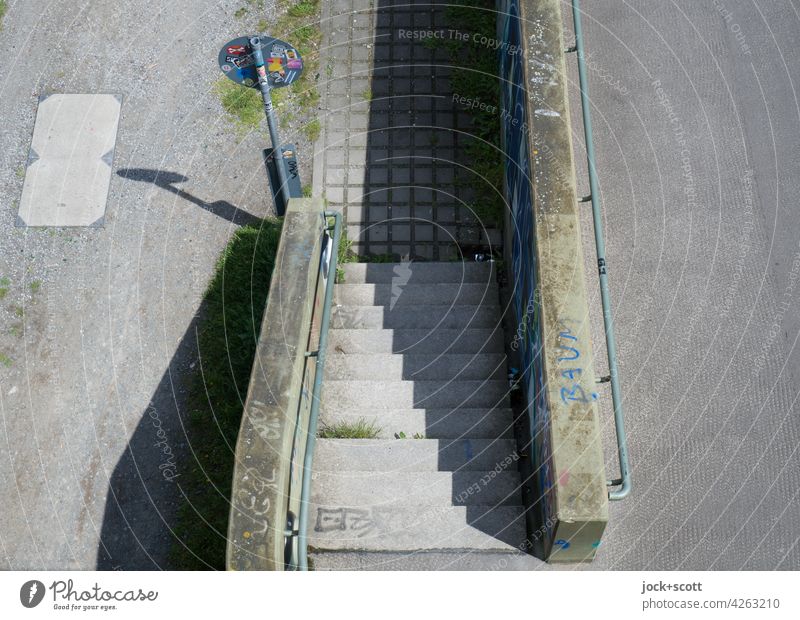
270, 446
543, 250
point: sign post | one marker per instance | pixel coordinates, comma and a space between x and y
266, 63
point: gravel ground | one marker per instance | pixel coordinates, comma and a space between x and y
95, 353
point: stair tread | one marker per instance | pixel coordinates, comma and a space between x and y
414, 341
430, 423
396, 294
415, 366
416, 488
392, 394
426, 560
456, 316
418, 271
420, 455
402, 528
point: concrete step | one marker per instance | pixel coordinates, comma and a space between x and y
396, 294
416, 528
461, 559
429, 488
440, 316
415, 341
430, 423
386, 366
361, 458
418, 272
363, 394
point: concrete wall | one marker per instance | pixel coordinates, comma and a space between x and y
543, 252
271, 442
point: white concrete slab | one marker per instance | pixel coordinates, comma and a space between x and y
69, 164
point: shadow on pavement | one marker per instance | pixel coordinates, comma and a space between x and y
166, 180
169, 494
145, 487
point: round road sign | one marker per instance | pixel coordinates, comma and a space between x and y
282, 62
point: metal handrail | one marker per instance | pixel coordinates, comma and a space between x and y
313, 418
624, 482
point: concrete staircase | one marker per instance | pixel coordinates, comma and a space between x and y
416, 353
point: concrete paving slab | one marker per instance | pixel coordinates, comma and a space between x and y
69, 165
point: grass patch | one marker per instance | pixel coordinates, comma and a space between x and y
367, 95
35, 286
3, 292
5, 360
299, 25
240, 12
377, 258
3, 9
360, 429
307, 190
227, 337
345, 253
312, 129
243, 105
306, 8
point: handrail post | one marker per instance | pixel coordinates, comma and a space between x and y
313, 418
624, 482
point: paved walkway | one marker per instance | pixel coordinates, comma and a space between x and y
391, 151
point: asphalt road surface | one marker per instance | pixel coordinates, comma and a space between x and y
697, 122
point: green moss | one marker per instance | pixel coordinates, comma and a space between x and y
475, 76
227, 337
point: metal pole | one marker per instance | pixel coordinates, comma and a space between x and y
316, 394
608, 320
263, 82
